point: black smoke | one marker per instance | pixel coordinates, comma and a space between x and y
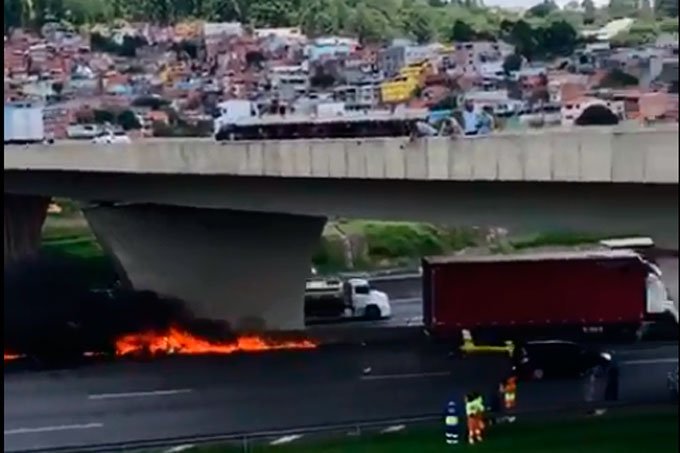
52, 314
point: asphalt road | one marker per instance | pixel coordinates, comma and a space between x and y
405, 295
191, 396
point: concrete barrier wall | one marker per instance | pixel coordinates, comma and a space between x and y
589, 155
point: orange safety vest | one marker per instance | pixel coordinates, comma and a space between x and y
510, 393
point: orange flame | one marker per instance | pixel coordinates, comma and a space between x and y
9, 356
178, 341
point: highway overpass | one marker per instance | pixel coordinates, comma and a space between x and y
230, 227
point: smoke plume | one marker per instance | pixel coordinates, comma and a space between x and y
52, 314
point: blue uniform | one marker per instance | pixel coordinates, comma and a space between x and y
452, 423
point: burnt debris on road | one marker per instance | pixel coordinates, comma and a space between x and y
53, 317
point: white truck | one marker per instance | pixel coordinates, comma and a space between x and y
231, 114
335, 299
24, 123
660, 305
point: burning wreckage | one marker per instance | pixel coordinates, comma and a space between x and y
51, 317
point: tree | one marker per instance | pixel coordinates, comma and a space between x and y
512, 62
543, 9
646, 10
666, 8
271, 13
128, 120
668, 26
14, 11
523, 38
86, 11
119, 8
46, 11
104, 116
462, 32
559, 39
190, 8
158, 11
622, 8
506, 27
589, 12
321, 17
419, 24
369, 24
130, 46
618, 79
225, 10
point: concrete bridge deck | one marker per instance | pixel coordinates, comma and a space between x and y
205, 221
592, 154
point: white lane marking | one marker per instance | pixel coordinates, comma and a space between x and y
650, 361
393, 429
405, 300
107, 396
179, 448
285, 439
380, 377
47, 429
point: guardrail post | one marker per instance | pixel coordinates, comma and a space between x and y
246, 445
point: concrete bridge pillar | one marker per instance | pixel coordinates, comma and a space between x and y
246, 268
23, 221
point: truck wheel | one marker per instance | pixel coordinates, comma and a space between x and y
372, 312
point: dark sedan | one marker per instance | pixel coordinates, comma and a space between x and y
557, 359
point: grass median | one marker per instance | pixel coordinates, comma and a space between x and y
652, 433
358, 245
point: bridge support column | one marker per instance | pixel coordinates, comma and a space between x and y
23, 221
246, 268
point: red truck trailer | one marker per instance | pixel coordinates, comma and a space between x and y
555, 295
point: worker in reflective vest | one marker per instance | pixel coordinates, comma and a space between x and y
474, 408
481, 416
452, 425
510, 393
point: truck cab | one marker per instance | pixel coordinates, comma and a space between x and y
660, 305
328, 299
231, 112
